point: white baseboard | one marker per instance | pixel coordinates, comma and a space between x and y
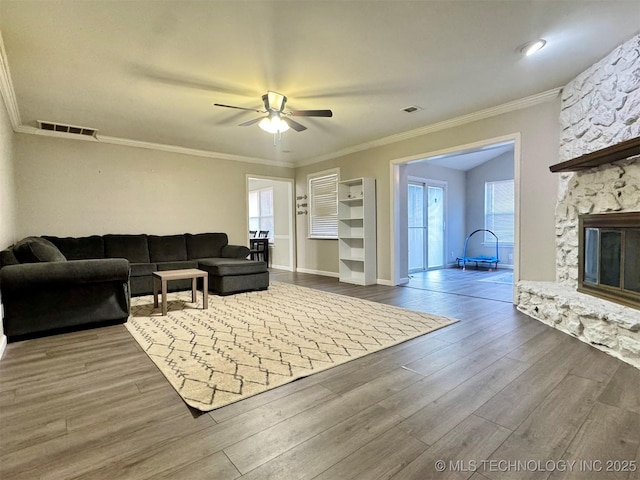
318, 272
382, 281
282, 267
3, 345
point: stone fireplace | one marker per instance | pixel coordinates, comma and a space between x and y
600, 112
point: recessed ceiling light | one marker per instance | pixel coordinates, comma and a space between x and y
532, 47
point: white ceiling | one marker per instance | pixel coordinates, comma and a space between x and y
151, 70
471, 159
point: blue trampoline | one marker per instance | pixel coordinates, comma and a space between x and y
462, 261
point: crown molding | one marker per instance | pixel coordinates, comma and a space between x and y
190, 151
151, 146
519, 104
6, 88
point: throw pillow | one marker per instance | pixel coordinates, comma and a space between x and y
36, 249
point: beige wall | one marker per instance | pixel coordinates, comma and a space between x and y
74, 188
8, 202
538, 126
67, 187
8, 208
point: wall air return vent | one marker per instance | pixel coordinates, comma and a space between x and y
62, 128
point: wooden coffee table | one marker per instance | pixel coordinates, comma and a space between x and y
161, 278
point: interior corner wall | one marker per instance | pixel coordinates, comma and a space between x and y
77, 188
539, 137
8, 203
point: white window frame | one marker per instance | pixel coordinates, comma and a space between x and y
323, 224
489, 211
258, 192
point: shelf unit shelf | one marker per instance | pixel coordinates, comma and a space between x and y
357, 231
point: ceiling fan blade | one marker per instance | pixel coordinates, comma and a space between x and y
295, 125
238, 108
251, 122
311, 113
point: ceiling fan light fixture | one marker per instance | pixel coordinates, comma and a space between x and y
273, 124
274, 101
532, 47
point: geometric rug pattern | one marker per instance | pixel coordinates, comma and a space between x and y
247, 343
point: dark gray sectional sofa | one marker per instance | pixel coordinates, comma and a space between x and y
50, 284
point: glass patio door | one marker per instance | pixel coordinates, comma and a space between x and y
426, 226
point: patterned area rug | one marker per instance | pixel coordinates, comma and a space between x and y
247, 343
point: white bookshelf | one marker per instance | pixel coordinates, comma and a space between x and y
357, 230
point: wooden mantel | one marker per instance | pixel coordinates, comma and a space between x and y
620, 151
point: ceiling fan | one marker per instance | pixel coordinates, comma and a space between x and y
274, 122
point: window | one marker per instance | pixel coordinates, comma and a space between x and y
499, 206
323, 205
261, 210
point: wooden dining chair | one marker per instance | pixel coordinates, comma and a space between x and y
260, 249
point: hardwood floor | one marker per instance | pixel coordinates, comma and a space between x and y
497, 387
472, 282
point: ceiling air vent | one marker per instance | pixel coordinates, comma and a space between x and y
72, 129
412, 108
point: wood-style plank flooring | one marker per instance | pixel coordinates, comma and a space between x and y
472, 282
497, 387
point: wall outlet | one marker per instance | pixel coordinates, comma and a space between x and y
511, 256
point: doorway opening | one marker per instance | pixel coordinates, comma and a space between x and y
270, 209
438, 199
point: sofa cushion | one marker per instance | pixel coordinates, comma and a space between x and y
36, 249
7, 257
231, 266
167, 248
80, 248
142, 269
205, 245
132, 247
177, 265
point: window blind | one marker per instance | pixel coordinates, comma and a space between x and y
323, 206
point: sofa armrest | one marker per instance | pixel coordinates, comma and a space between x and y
235, 251
29, 275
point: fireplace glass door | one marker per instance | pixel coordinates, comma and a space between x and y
610, 257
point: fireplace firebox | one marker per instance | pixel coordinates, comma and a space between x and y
609, 257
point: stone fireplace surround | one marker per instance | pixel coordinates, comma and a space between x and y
600, 108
